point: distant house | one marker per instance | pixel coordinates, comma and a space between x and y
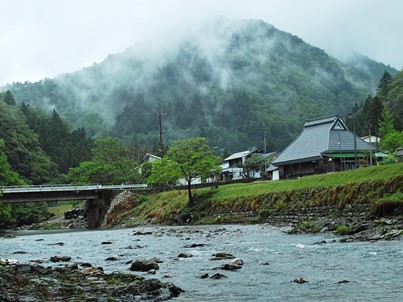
324, 145
232, 166
150, 157
372, 140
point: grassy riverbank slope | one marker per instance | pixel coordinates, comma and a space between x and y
373, 191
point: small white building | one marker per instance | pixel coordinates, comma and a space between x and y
372, 140
150, 157
232, 165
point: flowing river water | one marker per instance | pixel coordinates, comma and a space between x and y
357, 271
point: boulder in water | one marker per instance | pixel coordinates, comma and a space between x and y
144, 265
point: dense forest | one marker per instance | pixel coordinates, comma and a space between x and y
39, 148
35, 148
231, 81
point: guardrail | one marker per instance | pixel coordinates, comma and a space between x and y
62, 187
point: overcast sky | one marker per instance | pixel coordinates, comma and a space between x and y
44, 38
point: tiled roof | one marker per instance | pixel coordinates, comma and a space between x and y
328, 134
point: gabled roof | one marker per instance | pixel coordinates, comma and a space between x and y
240, 154
150, 157
327, 134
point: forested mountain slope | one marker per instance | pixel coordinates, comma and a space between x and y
229, 81
37, 146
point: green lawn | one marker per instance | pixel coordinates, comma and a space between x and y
320, 180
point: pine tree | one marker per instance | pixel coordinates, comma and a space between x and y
386, 124
375, 114
9, 98
382, 89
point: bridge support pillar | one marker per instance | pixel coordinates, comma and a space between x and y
97, 208
93, 213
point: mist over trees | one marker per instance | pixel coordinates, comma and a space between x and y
229, 81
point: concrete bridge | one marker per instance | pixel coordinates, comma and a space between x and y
98, 197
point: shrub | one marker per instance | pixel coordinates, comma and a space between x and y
342, 230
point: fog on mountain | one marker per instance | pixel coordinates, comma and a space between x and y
231, 81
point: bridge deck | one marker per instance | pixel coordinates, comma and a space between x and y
59, 192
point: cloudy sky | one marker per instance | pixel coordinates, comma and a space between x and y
44, 38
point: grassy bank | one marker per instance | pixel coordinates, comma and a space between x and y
321, 180
257, 201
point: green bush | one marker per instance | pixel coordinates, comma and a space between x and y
342, 230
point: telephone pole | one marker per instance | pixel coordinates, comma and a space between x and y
355, 142
161, 146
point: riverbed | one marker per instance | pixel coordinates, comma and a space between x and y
277, 266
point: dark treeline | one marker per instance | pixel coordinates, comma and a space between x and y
389, 96
40, 147
35, 148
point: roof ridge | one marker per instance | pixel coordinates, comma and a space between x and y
323, 117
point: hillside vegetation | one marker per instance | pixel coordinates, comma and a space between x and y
229, 81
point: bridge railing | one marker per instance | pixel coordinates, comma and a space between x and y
66, 187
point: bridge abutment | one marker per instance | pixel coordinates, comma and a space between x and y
97, 208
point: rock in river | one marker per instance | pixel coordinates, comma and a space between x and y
144, 265
60, 258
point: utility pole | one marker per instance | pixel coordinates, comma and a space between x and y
265, 153
355, 141
370, 144
161, 147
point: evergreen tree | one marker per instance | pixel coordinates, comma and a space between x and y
394, 101
9, 98
23, 149
67, 149
375, 114
383, 89
386, 124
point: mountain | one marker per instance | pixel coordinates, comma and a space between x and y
231, 81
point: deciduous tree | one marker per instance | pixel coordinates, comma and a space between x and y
190, 159
110, 164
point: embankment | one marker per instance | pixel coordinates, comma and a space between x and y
362, 210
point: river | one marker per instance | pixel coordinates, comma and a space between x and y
358, 271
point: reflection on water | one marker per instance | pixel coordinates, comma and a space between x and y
272, 260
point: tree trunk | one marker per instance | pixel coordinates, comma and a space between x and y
190, 193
